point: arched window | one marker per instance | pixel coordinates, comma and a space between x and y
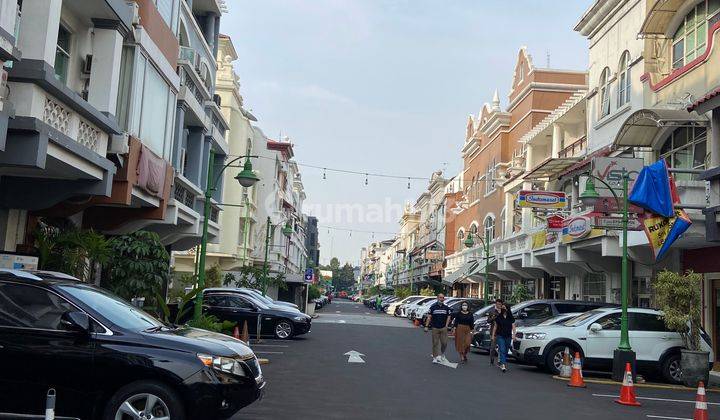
474, 229
690, 39
461, 234
623, 96
503, 222
685, 148
489, 227
605, 92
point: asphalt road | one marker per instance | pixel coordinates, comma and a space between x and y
310, 378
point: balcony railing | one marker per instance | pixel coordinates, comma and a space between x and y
184, 195
574, 149
189, 83
214, 214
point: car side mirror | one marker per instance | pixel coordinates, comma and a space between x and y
595, 327
76, 321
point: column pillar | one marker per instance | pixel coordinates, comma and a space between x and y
209, 30
527, 212
509, 215
106, 64
714, 148
39, 30
558, 137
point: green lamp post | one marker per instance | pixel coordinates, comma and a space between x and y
624, 352
246, 178
469, 243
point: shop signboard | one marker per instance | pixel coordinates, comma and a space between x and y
18, 262
616, 222
543, 238
542, 199
611, 171
555, 223
579, 227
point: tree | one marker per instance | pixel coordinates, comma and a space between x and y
678, 296
213, 276
251, 277
427, 291
403, 292
520, 294
138, 265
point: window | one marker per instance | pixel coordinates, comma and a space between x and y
490, 178
624, 80
594, 287
62, 54
610, 322
153, 108
690, 39
685, 148
605, 92
168, 9
474, 229
125, 88
537, 311
489, 226
646, 322
31, 307
461, 234
503, 222
238, 302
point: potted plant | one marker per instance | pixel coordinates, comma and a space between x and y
678, 296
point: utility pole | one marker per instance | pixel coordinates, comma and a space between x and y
267, 249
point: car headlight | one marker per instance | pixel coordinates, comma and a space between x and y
535, 336
223, 364
300, 318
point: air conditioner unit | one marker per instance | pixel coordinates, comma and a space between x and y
86, 66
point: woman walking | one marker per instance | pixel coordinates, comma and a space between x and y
503, 331
462, 329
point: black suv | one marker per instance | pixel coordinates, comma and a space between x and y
109, 360
532, 312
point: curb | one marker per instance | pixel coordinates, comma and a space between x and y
638, 385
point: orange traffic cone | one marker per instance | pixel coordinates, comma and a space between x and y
566, 369
627, 392
245, 334
576, 378
416, 322
236, 332
701, 412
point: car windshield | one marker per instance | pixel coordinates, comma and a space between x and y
112, 308
483, 311
582, 318
557, 319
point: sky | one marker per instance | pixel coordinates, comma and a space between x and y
384, 86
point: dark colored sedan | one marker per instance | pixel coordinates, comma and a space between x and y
277, 321
109, 360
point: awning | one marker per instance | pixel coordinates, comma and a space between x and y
708, 102
659, 17
643, 127
551, 167
457, 275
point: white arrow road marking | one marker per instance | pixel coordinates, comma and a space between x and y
448, 364
341, 321
354, 357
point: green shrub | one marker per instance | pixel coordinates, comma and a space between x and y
427, 291
678, 296
403, 292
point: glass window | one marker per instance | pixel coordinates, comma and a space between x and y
624, 80
112, 308
62, 54
238, 302
646, 322
537, 311
124, 90
215, 301
690, 40
565, 308
685, 148
168, 11
594, 287
605, 92
31, 307
153, 121
489, 225
610, 322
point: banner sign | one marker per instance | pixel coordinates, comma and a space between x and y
309, 275
580, 227
555, 223
612, 169
659, 230
615, 223
542, 199
18, 262
543, 238
326, 274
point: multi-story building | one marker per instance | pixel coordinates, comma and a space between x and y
373, 269
490, 153
312, 242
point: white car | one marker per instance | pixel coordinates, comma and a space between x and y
596, 334
421, 312
408, 309
394, 308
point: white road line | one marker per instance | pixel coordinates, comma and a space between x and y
269, 352
668, 418
653, 399
269, 345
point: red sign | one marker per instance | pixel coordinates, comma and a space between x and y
555, 223
610, 205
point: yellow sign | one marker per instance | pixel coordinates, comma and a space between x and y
543, 238
594, 233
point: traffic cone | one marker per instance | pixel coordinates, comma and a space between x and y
627, 392
576, 377
245, 334
566, 369
701, 412
236, 332
416, 322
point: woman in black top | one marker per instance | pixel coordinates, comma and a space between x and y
462, 327
503, 331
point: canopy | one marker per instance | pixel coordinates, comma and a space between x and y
462, 272
551, 167
659, 17
644, 126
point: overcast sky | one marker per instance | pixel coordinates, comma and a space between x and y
384, 86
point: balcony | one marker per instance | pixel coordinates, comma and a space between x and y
575, 148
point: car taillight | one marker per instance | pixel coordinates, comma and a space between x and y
519, 335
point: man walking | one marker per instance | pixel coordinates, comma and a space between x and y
439, 319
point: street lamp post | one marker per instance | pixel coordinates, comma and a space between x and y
486, 250
246, 178
624, 352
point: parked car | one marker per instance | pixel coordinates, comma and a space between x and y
482, 312
422, 312
595, 335
473, 304
387, 301
408, 310
257, 295
228, 304
394, 308
100, 354
532, 312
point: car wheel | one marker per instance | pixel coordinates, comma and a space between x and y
554, 358
146, 400
671, 370
283, 329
